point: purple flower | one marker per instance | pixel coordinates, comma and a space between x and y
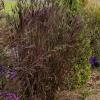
9, 96
94, 62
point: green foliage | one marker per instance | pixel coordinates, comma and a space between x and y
74, 5
3, 81
8, 7
92, 17
97, 33
81, 68
92, 29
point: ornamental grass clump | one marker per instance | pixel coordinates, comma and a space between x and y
47, 42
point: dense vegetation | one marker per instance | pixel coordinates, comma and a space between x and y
48, 45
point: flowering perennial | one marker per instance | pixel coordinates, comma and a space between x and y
9, 96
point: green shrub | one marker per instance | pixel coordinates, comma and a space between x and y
92, 17
80, 66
